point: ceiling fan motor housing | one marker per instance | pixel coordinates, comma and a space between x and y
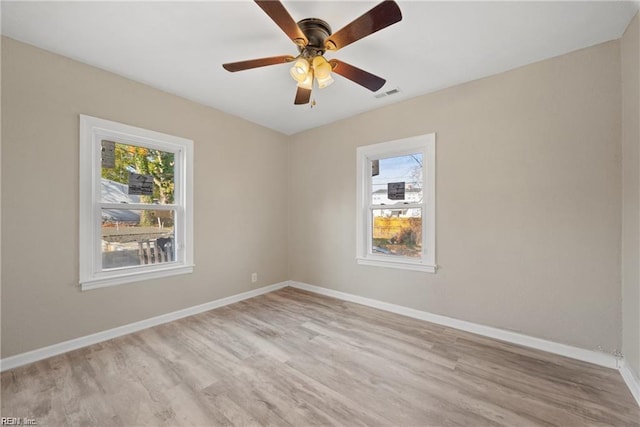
317, 31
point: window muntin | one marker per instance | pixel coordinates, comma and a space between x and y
396, 208
135, 204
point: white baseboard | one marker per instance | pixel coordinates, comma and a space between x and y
63, 347
595, 357
632, 381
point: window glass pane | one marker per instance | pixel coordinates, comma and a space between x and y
132, 238
397, 232
398, 180
132, 174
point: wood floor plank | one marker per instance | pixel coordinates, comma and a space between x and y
294, 358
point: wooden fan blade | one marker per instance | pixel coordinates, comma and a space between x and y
381, 16
281, 17
302, 96
255, 63
356, 75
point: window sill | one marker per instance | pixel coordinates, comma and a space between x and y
402, 265
129, 276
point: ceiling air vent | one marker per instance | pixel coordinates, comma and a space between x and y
388, 93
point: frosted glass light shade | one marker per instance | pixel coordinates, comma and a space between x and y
307, 83
321, 67
300, 70
324, 82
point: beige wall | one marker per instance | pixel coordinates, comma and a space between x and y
240, 200
528, 193
630, 59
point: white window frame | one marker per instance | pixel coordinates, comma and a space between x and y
92, 131
425, 144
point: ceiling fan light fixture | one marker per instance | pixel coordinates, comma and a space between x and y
307, 83
314, 37
300, 70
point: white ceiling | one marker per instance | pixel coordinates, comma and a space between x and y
179, 47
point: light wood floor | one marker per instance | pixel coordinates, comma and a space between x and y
296, 358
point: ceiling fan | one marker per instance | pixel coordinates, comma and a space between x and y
313, 37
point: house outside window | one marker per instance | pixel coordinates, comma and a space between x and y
396, 204
136, 215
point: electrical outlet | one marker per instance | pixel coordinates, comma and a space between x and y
254, 277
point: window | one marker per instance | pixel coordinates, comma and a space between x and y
136, 216
396, 204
